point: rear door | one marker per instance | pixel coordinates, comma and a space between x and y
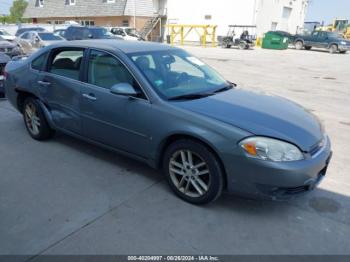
117, 121
60, 87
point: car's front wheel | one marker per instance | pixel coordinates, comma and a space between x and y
35, 120
193, 172
299, 45
333, 49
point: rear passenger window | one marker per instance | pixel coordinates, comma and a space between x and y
67, 63
39, 62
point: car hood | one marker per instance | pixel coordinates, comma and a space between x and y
6, 44
261, 115
9, 37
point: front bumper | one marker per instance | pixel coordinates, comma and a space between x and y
343, 48
277, 181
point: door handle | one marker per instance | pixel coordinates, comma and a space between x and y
90, 97
44, 83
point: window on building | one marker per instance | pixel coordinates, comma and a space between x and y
39, 3
109, 1
207, 17
286, 12
274, 26
125, 23
87, 22
67, 63
70, 2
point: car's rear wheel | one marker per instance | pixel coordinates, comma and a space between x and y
242, 46
2, 95
35, 120
343, 52
333, 49
193, 172
299, 45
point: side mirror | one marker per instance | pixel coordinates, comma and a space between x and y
36, 39
124, 89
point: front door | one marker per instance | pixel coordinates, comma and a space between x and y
323, 40
114, 120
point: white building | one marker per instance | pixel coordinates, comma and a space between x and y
285, 15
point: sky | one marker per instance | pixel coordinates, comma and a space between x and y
328, 10
5, 6
319, 10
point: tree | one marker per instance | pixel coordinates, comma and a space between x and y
17, 10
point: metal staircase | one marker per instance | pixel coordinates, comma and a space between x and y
149, 26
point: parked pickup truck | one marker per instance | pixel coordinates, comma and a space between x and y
332, 41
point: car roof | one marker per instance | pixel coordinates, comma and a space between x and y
112, 44
85, 27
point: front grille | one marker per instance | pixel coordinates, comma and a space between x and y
295, 190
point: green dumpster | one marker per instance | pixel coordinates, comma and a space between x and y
275, 40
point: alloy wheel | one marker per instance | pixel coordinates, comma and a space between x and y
32, 119
189, 173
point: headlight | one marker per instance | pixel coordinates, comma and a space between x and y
271, 149
343, 43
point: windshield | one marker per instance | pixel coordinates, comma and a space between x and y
101, 33
3, 32
49, 37
175, 73
131, 32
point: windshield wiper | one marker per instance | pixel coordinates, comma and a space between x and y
225, 88
190, 96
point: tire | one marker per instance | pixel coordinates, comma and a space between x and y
333, 49
193, 172
35, 121
227, 46
308, 47
299, 45
2, 95
242, 46
343, 52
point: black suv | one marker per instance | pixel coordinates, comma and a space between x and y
91, 32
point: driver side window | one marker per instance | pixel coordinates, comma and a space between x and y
106, 71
